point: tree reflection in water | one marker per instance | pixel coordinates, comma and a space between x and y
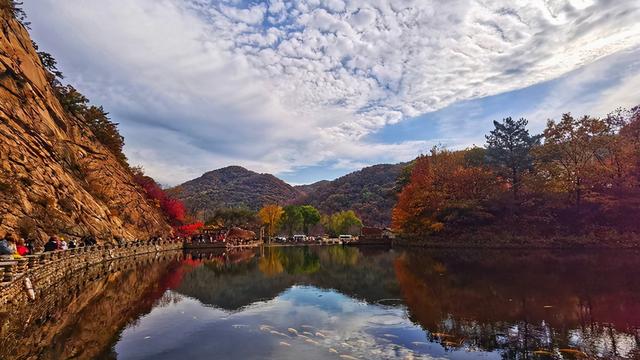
451, 303
526, 304
540, 304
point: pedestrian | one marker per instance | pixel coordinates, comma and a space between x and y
7, 247
21, 249
63, 244
52, 244
31, 245
72, 244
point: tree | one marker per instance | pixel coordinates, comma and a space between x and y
71, 99
50, 64
443, 190
572, 152
233, 217
310, 217
172, 208
270, 215
508, 151
292, 219
105, 130
342, 223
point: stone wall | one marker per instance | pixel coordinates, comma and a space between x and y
45, 270
80, 315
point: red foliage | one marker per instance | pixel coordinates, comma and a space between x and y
173, 209
189, 229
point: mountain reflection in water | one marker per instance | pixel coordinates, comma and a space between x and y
345, 303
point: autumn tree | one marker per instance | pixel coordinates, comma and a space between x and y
508, 151
270, 216
572, 152
310, 217
443, 189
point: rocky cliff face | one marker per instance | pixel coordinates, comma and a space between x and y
55, 177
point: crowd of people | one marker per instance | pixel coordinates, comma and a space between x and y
12, 247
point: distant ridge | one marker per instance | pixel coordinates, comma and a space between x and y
234, 186
370, 192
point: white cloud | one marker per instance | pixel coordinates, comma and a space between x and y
285, 84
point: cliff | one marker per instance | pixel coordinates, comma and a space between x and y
55, 177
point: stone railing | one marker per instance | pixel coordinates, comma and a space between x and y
23, 279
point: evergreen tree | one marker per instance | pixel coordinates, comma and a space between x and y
509, 148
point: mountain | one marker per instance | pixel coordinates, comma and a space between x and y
55, 176
370, 192
234, 186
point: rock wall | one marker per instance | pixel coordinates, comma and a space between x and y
55, 177
44, 270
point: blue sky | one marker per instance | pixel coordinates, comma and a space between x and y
314, 89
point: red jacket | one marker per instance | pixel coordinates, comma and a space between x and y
22, 250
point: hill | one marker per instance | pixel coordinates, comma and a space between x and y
56, 177
234, 186
370, 192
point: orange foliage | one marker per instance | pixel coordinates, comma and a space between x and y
442, 190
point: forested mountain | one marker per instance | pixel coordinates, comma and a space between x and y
234, 187
370, 192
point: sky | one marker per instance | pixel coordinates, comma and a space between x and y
314, 89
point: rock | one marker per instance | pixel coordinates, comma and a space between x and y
52, 168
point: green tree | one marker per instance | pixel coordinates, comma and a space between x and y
291, 219
72, 100
105, 130
342, 223
509, 147
310, 217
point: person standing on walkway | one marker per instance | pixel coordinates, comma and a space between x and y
52, 244
21, 249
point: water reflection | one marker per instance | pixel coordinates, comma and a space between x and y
341, 302
526, 304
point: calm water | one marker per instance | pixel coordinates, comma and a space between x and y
349, 303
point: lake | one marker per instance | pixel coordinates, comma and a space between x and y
354, 303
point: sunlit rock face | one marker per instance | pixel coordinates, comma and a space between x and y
52, 168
